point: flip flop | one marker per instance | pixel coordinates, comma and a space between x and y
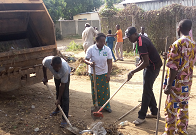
54, 113
63, 124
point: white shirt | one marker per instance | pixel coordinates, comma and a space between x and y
145, 34
100, 58
88, 34
62, 74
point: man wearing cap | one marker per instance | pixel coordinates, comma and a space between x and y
87, 35
151, 62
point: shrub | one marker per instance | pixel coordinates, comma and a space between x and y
73, 46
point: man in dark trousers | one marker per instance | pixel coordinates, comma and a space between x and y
61, 71
151, 62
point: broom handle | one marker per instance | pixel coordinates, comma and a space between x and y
95, 86
112, 97
59, 106
159, 108
128, 112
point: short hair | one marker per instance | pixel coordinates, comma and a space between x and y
56, 60
185, 25
118, 25
109, 31
99, 35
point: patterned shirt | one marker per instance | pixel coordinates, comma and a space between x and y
180, 58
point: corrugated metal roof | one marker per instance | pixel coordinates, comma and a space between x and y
136, 1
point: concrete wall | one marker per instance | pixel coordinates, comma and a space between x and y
73, 27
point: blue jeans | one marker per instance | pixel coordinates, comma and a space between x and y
111, 47
148, 99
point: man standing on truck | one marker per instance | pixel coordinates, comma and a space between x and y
61, 71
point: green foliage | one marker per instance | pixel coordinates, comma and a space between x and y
75, 7
73, 46
108, 12
109, 3
81, 69
56, 8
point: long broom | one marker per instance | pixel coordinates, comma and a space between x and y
163, 75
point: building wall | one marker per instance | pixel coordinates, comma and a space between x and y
73, 27
90, 16
158, 5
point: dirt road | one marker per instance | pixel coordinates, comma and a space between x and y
17, 117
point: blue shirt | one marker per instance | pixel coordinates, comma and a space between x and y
110, 40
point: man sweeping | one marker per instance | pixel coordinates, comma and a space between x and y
179, 80
151, 62
61, 71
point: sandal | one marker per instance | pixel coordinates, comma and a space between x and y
54, 113
139, 121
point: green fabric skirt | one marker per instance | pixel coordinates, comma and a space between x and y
103, 90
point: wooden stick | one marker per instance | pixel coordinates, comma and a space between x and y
163, 75
59, 106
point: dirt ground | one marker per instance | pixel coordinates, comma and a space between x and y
17, 117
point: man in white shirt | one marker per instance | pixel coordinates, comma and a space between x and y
61, 71
143, 32
88, 36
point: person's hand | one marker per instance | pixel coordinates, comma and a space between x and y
108, 78
45, 80
130, 75
167, 90
92, 64
164, 55
58, 102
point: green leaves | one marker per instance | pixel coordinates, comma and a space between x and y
55, 8
68, 8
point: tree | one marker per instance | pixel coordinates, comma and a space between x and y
75, 7
109, 3
55, 8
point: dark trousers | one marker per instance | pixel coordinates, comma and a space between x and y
65, 96
148, 99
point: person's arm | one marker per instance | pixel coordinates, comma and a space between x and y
111, 35
109, 62
61, 91
87, 61
172, 77
45, 79
144, 64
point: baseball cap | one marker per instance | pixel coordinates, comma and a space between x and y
129, 32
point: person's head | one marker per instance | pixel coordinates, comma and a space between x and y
132, 34
117, 26
142, 30
109, 31
100, 39
56, 63
184, 27
87, 25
